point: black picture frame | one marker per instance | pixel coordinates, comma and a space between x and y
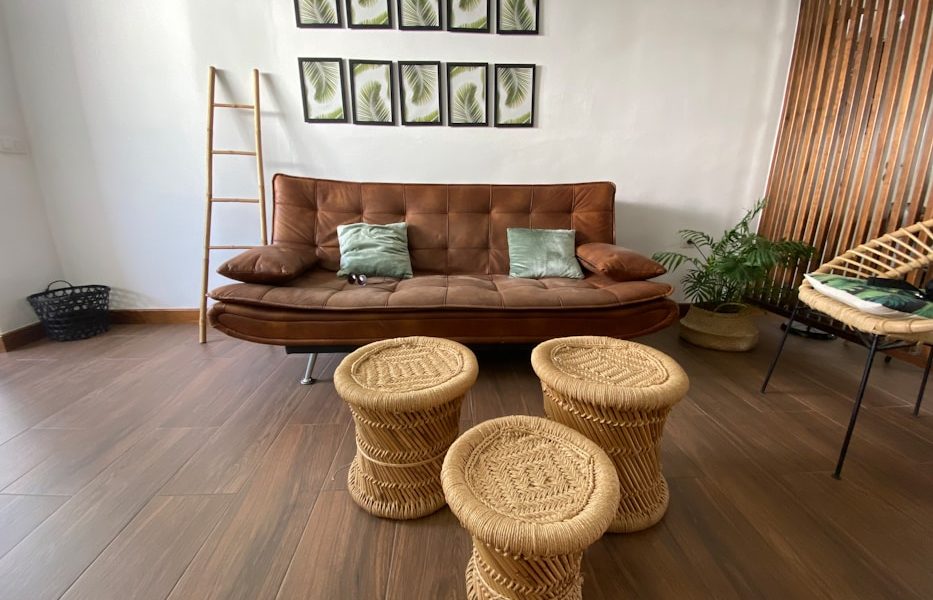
534, 31
451, 27
389, 25
534, 76
338, 25
440, 18
450, 94
402, 90
352, 74
304, 90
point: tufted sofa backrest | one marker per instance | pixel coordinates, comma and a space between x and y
452, 229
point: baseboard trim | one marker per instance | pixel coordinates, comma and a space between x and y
11, 340
154, 316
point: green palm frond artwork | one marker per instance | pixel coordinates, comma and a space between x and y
419, 14
369, 14
371, 106
518, 16
421, 101
515, 89
517, 85
323, 77
421, 81
323, 89
318, 13
468, 15
372, 93
466, 88
467, 108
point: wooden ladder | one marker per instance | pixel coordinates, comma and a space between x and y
212, 104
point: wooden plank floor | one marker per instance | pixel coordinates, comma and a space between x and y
140, 465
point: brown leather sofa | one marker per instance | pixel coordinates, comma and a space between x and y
461, 289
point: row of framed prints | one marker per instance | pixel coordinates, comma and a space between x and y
373, 92
512, 16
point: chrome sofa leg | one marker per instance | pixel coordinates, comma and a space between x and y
307, 379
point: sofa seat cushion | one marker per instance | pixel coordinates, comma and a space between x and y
320, 289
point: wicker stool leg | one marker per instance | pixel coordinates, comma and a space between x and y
396, 473
494, 575
633, 441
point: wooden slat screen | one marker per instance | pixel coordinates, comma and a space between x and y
855, 145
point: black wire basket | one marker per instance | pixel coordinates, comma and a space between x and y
75, 312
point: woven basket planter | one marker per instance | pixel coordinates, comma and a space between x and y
728, 331
405, 397
619, 395
533, 495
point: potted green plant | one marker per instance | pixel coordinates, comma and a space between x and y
718, 281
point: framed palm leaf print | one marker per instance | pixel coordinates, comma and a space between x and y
318, 13
466, 94
373, 92
517, 16
419, 14
471, 16
420, 92
322, 90
515, 95
369, 14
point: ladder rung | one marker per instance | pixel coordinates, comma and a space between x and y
235, 152
231, 247
243, 200
230, 105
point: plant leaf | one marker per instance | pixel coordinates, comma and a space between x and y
360, 68
367, 3
516, 16
520, 120
517, 84
370, 105
337, 113
422, 82
324, 77
419, 13
481, 23
467, 108
380, 19
468, 4
432, 117
317, 12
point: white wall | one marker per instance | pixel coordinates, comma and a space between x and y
677, 101
27, 253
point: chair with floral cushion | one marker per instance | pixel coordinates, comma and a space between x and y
903, 254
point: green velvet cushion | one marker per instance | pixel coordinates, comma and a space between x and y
536, 253
374, 250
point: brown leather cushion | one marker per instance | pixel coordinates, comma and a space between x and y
321, 289
269, 264
452, 229
618, 263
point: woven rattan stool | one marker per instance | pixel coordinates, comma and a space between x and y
533, 494
405, 397
618, 394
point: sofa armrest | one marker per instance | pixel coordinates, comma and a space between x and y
269, 264
618, 263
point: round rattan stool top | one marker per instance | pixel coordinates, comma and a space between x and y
529, 486
406, 374
610, 372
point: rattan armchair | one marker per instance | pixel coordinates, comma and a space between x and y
905, 253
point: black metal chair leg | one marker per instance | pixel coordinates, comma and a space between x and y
858, 404
923, 384
774, 362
